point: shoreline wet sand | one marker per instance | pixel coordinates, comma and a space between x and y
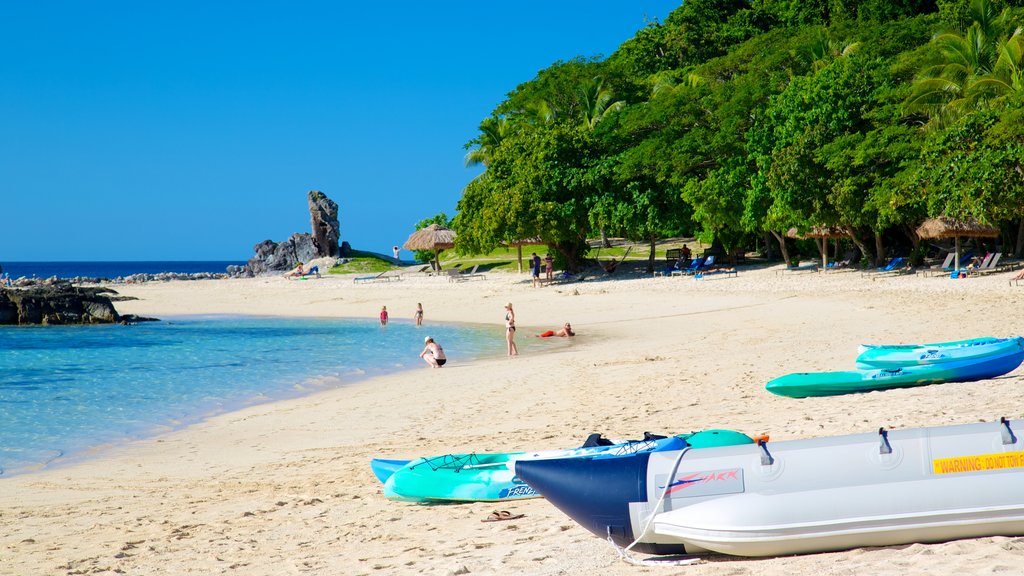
286, 487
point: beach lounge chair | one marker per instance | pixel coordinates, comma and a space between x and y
465, 274
385, 276
939, 269
695, 265
708, 264
368, 278
991, 266
897, 264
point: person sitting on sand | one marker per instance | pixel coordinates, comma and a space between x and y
432, 353
563, 332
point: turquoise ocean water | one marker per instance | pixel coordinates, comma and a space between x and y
65, 390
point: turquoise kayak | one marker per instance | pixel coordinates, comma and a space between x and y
491, 477
383, 468
805, 384
909, 355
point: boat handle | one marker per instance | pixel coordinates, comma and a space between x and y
884, 447
1007, 432
766, 456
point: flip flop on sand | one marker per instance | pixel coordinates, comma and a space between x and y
499, 515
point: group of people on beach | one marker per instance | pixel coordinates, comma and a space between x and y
549, 268
433, 353
417, 316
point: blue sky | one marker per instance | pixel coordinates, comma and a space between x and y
194, 130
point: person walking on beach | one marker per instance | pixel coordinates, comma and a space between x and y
510, 330
432, 353
384, 316
535, 267
549, 266
418, 316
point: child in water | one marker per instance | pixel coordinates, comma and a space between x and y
384, 316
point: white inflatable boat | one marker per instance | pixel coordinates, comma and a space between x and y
776, 498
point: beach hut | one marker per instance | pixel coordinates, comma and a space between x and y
434, 237
821, 234
946, 227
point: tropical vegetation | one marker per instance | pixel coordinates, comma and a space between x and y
737, 121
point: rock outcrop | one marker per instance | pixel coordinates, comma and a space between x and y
272, 257
323, 217
60, 304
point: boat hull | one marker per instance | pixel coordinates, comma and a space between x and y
899, 487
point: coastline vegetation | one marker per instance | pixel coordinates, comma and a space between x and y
736, 121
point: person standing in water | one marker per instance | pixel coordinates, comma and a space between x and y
418, 316
510, 330
432, 353
384, 316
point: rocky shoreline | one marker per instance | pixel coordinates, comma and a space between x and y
60, 304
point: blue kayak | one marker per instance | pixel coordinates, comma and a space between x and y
872, 357
806, 384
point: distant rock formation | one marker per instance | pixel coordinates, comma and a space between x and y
60, 304
323, 217
272, 257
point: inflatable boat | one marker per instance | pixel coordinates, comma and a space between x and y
801, 496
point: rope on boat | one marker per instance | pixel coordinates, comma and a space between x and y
624, 554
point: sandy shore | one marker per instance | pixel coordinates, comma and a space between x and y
285, 488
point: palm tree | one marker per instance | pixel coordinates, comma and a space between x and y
492, 132
978, 65
596, 102
823, 49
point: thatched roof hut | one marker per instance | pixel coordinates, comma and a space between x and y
946, 227
822, 234
434, 237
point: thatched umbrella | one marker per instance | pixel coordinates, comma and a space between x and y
434, 237
824, 233
534, 241
946, 227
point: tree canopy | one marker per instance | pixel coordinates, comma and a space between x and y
737, 120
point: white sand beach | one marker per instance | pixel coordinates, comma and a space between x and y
286, 487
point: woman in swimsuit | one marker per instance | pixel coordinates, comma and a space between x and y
418, 316
432, 353
510, 330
